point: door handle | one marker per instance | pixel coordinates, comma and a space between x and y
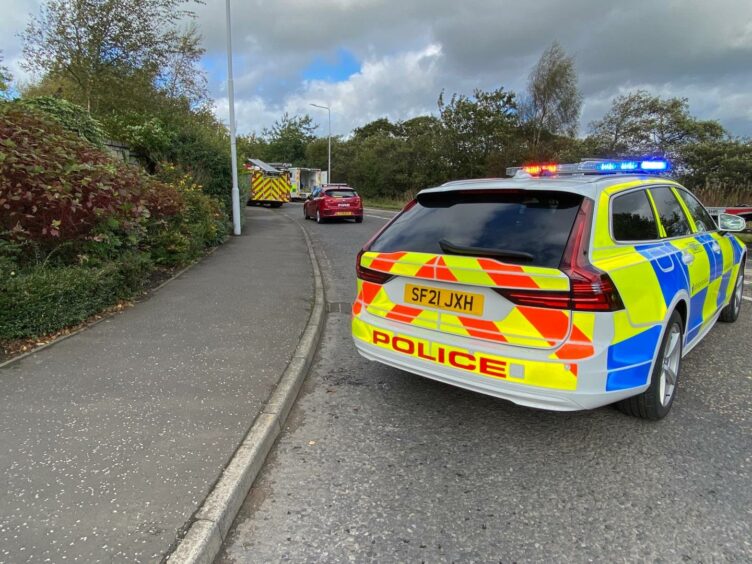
687, 258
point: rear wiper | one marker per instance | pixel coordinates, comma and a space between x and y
452, 249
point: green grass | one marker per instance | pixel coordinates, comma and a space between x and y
746, 237
384, 203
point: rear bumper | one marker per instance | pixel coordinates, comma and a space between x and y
354, 212
571, 387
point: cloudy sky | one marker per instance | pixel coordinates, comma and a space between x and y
373, 58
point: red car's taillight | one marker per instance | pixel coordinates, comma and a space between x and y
370, 275
591, 289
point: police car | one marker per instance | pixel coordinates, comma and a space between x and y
566, 287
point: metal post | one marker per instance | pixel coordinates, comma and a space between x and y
329, 162
233, 145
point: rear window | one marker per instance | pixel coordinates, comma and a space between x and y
534, 222
341, 193
633, 218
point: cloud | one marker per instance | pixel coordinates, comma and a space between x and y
409, 52
398, 87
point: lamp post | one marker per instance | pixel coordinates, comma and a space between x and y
329, 162
233, 144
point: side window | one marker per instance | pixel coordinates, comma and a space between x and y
632, 217
670, 211
702, 218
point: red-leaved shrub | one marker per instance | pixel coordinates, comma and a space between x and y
56, 187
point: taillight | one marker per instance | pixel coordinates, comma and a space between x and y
370, 275
536, 298
590, 289
374, 275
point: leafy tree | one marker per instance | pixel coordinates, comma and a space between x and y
88, 42
288, 137
639, 123
251, 146
554, 100
381, 126
476, 127
72, 117
5, 76
717, 163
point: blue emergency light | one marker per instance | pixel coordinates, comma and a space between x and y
595, 166
657, 165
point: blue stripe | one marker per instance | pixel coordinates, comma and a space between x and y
629, 378
723, 289
696, 304
716, 265
670, 270
635, 350
737, 248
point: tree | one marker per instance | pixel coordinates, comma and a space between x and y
5, 76
554, 101
720, 164
288, 138
474, 128
91, 41
381, 126
639, 123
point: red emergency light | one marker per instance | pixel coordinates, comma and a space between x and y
540, 169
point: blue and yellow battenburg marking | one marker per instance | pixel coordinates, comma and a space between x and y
650, 279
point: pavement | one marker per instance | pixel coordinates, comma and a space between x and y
378, 465
111, 439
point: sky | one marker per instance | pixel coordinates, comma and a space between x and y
368, 59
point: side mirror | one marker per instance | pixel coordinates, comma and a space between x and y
733, 223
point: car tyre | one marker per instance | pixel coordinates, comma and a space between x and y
359, 219
730, 313
319, 219
305, 213
655, 402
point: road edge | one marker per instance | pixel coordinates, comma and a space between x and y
211, 523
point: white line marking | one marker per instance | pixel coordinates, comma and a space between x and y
378, 216
747, 298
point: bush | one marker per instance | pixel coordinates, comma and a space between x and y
44, 299
71, 116
79, 230
59, 194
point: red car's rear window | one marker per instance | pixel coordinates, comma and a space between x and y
340, 193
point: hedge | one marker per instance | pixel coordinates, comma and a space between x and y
43, 299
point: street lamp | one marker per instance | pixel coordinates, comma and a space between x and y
329, 164
233, 145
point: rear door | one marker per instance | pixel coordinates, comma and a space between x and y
697, 263
720, 249
456, 257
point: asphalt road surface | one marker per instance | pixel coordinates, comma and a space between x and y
380, 465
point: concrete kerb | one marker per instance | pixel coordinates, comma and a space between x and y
203, 541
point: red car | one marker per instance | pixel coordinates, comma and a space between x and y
333, 201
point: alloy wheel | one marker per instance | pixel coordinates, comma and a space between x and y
670, 368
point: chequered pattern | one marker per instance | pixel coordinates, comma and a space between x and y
269, 188
522, 325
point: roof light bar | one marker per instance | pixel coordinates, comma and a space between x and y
595, 166
540, 169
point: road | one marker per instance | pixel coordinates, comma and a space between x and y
380, 465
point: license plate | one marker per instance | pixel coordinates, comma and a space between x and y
441, 298
343, 213
344, 205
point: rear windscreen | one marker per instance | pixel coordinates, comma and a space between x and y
534, 222
341, 193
